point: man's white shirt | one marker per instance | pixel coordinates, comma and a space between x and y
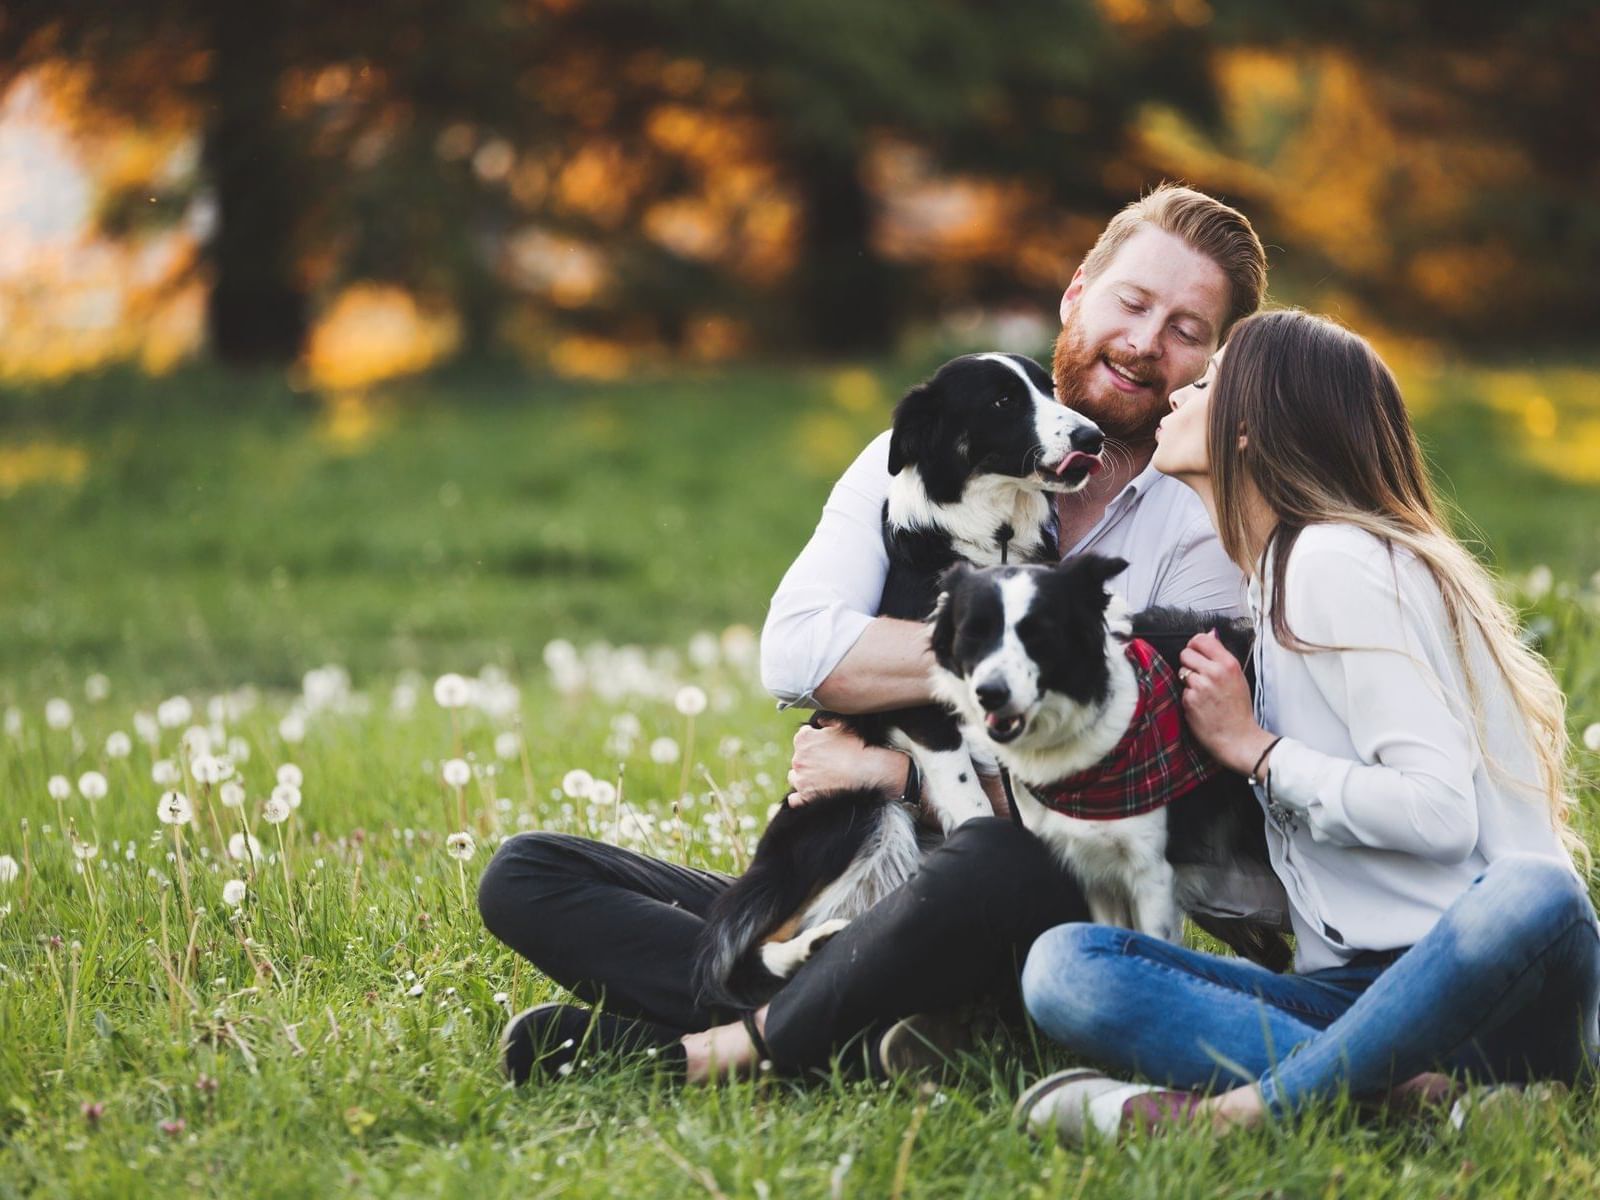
830, 593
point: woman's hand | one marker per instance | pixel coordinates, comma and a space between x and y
830, 758
1216, 703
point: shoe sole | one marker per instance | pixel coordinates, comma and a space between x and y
1026, 1102
510, 1028
923, 1043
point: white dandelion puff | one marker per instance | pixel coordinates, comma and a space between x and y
704, 650
13, 721
59, 787
210, 770
233, 892
291, 775
460, 846
84, 851
92, 785
603, 793
58, 714
414, 990
10, 869
147, 727
174, 711
276, 810
238, 750
457, 772
96, 688
451, 691
664, 750
243, 847
174, 808
287, 794
232, 794
118, 744
196, 741
507, 745
292, 729
1591, 737
164, 773
577, 783
1539, 581
690, 700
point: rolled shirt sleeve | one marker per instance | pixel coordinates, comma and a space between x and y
1409, 787
831, 592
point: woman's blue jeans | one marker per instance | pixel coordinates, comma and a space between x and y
1504, 987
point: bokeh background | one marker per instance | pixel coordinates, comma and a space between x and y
420, 333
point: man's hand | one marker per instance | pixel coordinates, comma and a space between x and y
832, 758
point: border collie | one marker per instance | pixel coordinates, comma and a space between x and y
1081, 703
975, 453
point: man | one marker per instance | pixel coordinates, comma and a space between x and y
1140, 319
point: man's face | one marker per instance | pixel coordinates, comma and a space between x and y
1145, 326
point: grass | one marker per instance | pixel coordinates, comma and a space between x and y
217, 538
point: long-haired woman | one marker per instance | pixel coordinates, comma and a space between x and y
1410, 756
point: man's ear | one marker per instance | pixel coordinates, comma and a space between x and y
1070, 296
916, 429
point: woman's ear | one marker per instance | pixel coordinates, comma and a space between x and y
1244, 439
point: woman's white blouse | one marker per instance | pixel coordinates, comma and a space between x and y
1388, 796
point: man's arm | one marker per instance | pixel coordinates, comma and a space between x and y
822, 645
1198, 575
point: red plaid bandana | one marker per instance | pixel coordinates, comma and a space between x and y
1155, 763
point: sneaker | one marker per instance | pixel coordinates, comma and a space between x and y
1484, 1104
550, 1037
1074, 1106
924, 1044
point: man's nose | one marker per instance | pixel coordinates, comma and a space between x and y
1144, 337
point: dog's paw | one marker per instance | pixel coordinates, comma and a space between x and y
784, 958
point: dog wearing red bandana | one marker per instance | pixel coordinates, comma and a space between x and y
1081, 703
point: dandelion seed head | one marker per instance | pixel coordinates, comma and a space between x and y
460, 846
96, 688
292, 729
10, 869
603, 793
287, 794
164, 773
451, 691
276, 810
507, 745
174, 808
664, 750
231, 794
92, 785
690, 700
238, 750
501, 997
291, 775
1591, 737
118, 744
414, 990
196, 742
174, 711
13, 721
84, 851
59, 787
457, 772
210, 770
57, 713
147, 727
577, 783
233, 892
243, 847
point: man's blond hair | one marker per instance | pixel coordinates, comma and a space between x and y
1221, 233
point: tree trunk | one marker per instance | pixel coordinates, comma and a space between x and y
843, 291
257, 311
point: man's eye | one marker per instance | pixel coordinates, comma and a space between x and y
1187, 338
1131, 305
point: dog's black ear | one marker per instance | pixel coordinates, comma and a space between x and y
916, 428
953, 574
1101, 568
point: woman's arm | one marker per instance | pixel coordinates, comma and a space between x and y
1411, 787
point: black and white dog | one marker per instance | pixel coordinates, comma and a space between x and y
1080, 702
975, 453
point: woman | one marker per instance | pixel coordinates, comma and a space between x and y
1409, 752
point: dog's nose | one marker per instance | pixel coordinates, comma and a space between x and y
993, 695
1088, 439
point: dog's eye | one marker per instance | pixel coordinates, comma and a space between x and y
1004, 401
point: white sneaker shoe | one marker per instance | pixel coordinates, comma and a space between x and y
1073, 1106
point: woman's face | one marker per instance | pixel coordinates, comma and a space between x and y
1181, 447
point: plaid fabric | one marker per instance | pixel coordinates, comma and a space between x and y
1155, 763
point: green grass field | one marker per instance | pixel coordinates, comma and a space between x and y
216, 539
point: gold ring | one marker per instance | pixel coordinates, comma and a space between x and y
1183, 674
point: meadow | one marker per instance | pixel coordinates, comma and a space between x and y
351, 629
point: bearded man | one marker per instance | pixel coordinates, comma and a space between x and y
1141, 319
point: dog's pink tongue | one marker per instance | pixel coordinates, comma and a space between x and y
1079, 459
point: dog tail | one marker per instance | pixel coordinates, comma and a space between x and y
807, 860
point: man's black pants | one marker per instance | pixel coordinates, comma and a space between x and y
609, 924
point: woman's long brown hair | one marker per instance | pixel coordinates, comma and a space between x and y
1326, 439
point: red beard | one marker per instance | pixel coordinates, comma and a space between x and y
1129, 419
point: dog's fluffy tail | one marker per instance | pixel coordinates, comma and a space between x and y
832, 858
